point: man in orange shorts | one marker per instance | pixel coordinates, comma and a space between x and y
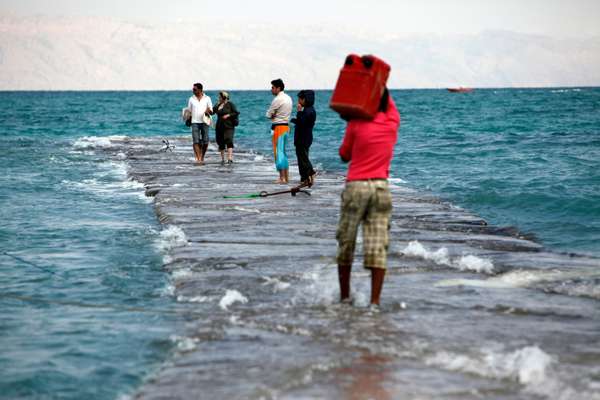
279, 113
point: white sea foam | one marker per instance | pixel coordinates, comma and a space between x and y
322, 287
473, 263
232, 296
360, 297
170, 237
89, 142
83, 184
278, 285
182, 274
530, 366
195, 299
132, 184
530, 277
92, 142
582, 290
441, 257
573, 282
301, 332
524, 278
259, 157
482, 283
184, 343
117, 169
559, 281
527, 365
111, 180
416, 249
168, 290
109, 189
564, 90
396, 180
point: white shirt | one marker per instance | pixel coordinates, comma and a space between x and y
198, 108
281, 109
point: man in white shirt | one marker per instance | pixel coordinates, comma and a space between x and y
200, 107
279, 113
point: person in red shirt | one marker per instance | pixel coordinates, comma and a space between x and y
368, 146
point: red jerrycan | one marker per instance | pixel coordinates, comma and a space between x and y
360, 86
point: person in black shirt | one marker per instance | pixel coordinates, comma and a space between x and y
227, 120
303, 134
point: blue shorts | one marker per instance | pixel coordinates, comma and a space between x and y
199, 133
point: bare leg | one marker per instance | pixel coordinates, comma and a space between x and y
286, 175
222, 155
311, 179
344, 277
230, 154
281, 176
377, 277
197, 152
204, 148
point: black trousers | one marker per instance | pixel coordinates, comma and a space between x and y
304, 166
224, 138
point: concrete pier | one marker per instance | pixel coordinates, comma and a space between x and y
259, 276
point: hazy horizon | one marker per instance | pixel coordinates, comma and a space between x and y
289, 89
84, 45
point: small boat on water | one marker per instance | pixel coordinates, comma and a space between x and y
460, 90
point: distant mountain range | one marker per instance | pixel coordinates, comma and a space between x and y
77, 53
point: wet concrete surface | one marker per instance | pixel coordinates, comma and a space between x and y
469, 310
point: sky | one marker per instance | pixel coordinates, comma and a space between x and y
157, 44
558, 18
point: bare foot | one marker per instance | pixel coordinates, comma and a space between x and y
311, 180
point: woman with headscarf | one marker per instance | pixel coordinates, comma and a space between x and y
227, 120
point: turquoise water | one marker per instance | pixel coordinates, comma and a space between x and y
528, 158
85, 310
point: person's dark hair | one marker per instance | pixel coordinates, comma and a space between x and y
308, 96
385, 99
278, 83
198, 86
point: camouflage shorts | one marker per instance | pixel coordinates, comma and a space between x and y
368, 202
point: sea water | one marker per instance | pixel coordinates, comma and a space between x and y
527, 158
85, 308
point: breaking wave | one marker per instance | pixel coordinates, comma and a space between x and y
442, 257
